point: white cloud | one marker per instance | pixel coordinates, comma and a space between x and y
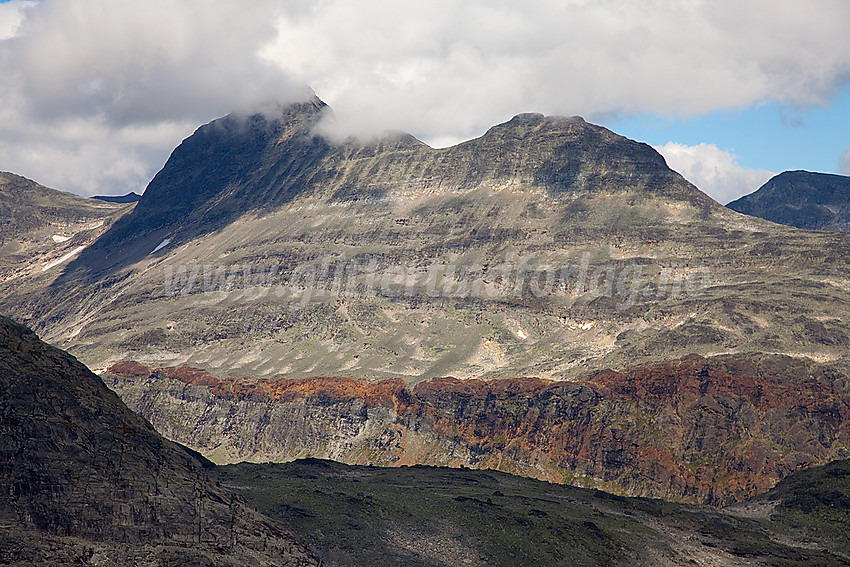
443, 70
446, 68
96, 93
12, 16
714, 171
844, 163
132, 62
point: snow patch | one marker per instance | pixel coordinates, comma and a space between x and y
162, 245
60, 238
67, 256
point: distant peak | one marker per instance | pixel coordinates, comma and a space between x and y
130, 197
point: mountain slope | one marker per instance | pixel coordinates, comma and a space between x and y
546, 246
813, 504
41, 228
815, 201
546, 249
87, 479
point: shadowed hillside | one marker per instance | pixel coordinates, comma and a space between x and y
815, 201
87, 481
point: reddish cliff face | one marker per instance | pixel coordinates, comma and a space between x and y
710, 430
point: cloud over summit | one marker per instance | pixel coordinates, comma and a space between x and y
103, 90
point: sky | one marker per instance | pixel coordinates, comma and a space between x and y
96, 93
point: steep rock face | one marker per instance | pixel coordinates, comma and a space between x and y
86, 479
709, 430
815, 201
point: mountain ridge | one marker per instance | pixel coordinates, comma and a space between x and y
273, 159
709, 430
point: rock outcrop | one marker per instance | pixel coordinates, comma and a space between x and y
714, 430
815, 201
87, 481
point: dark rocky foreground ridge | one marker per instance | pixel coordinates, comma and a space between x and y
87, 481
815, 201
715, 431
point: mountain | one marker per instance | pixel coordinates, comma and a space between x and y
423, 516
815, 201
42, 229
130, 197
398, 277
546, 247
87, 481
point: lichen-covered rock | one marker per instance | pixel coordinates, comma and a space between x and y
711, 430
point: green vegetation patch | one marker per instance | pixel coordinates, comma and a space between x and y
432, 516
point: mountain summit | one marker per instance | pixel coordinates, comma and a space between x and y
241, 164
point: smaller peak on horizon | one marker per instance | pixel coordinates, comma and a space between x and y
130, 197
803, 199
